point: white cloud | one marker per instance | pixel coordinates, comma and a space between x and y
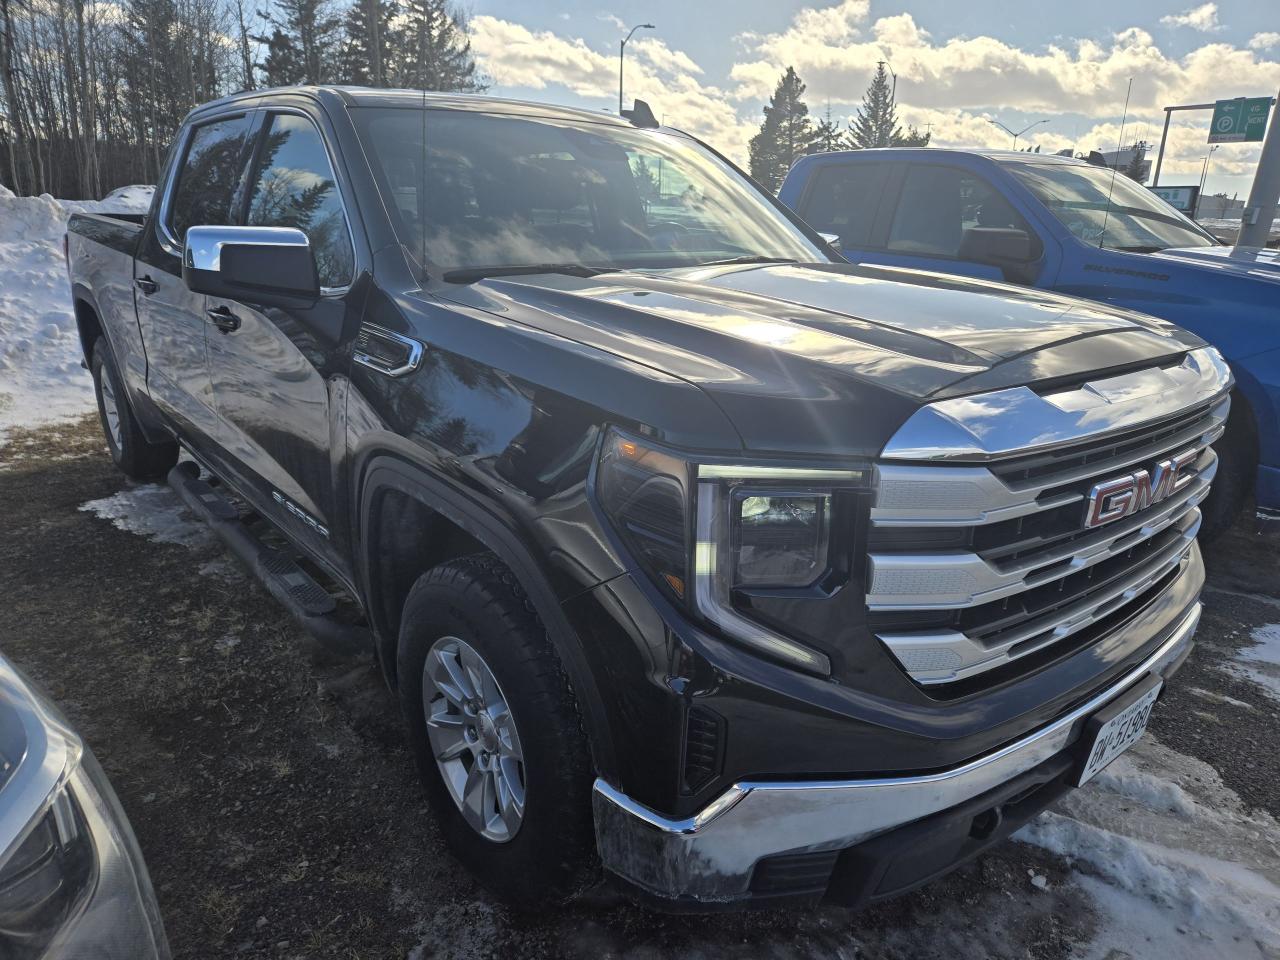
1265, 40
1203, 17
513, 55
981, 72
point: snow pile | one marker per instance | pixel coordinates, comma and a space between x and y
40, 374
1260, 661
1176, 864
154, 512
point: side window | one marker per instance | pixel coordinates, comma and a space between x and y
844, 200
208, 177
938, 204
294, 186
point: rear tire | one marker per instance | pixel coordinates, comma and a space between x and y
473, 608
136, 456
1237, 465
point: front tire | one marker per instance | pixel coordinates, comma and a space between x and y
136, 456
495, 732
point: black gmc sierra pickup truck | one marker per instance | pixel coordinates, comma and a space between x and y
690, 549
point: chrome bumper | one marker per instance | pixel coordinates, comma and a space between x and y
710, 857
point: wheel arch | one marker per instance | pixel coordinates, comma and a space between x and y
444, 523
88, 320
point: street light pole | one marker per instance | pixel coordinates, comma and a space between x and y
622, 49
1019, 133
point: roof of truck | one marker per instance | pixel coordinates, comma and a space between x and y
1000, 156
377, 97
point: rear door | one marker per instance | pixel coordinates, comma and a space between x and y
202, 188
277, 377
929, 215
846, 199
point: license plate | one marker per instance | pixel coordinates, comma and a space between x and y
1117, 727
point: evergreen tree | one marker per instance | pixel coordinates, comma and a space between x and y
826, 135
1133, 170
432, 51
912, 138
786, 133
364, 56
303, 44
877, 122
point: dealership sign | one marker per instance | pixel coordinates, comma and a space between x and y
1242, 120
1181, 198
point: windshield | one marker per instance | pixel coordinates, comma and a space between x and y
494, 191
1138, 220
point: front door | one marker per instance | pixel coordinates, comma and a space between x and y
201, 189
277, 374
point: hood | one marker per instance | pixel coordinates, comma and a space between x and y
1258, 263
796, 355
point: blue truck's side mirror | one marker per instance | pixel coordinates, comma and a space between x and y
272, 266
1005, 247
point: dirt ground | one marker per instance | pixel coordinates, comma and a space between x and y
279, 812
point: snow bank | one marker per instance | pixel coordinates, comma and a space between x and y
1177, 865
40, 375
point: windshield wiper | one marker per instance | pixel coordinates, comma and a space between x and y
472, 274
747, 259
1139, 249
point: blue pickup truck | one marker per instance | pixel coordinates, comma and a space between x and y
1071, 227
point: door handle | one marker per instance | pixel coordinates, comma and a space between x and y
223, 319
146, 285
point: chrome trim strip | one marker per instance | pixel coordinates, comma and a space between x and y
413, 360
718, 471
949, 656
958, 580
1018, 421
909, 495
710, 856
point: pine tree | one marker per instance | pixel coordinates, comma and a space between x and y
364, 55
1134, 169
877, 122
826, 135
913, 138
786, 133
302, 45
432, 51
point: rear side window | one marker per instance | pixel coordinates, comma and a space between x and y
294, 186
209, 176
843, 200
938, 204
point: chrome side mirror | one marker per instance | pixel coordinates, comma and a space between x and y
272, 266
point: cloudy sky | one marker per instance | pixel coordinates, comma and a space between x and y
710, 65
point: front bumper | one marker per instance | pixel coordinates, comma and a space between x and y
712, 857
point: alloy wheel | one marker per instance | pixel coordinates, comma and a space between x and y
474, 739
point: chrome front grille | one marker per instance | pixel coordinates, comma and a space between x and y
979, 558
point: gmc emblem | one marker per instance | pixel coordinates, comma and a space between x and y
1125, 496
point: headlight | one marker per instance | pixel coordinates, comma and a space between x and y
747, 531
72, 882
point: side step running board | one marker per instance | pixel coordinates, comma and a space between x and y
296, 589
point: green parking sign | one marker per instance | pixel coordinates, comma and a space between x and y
1242, 120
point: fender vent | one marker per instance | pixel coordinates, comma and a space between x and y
702, 748
386, 351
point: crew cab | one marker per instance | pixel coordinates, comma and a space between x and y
690, 549
1065, 225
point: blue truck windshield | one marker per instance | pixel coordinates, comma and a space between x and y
1135, 219
499, 190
